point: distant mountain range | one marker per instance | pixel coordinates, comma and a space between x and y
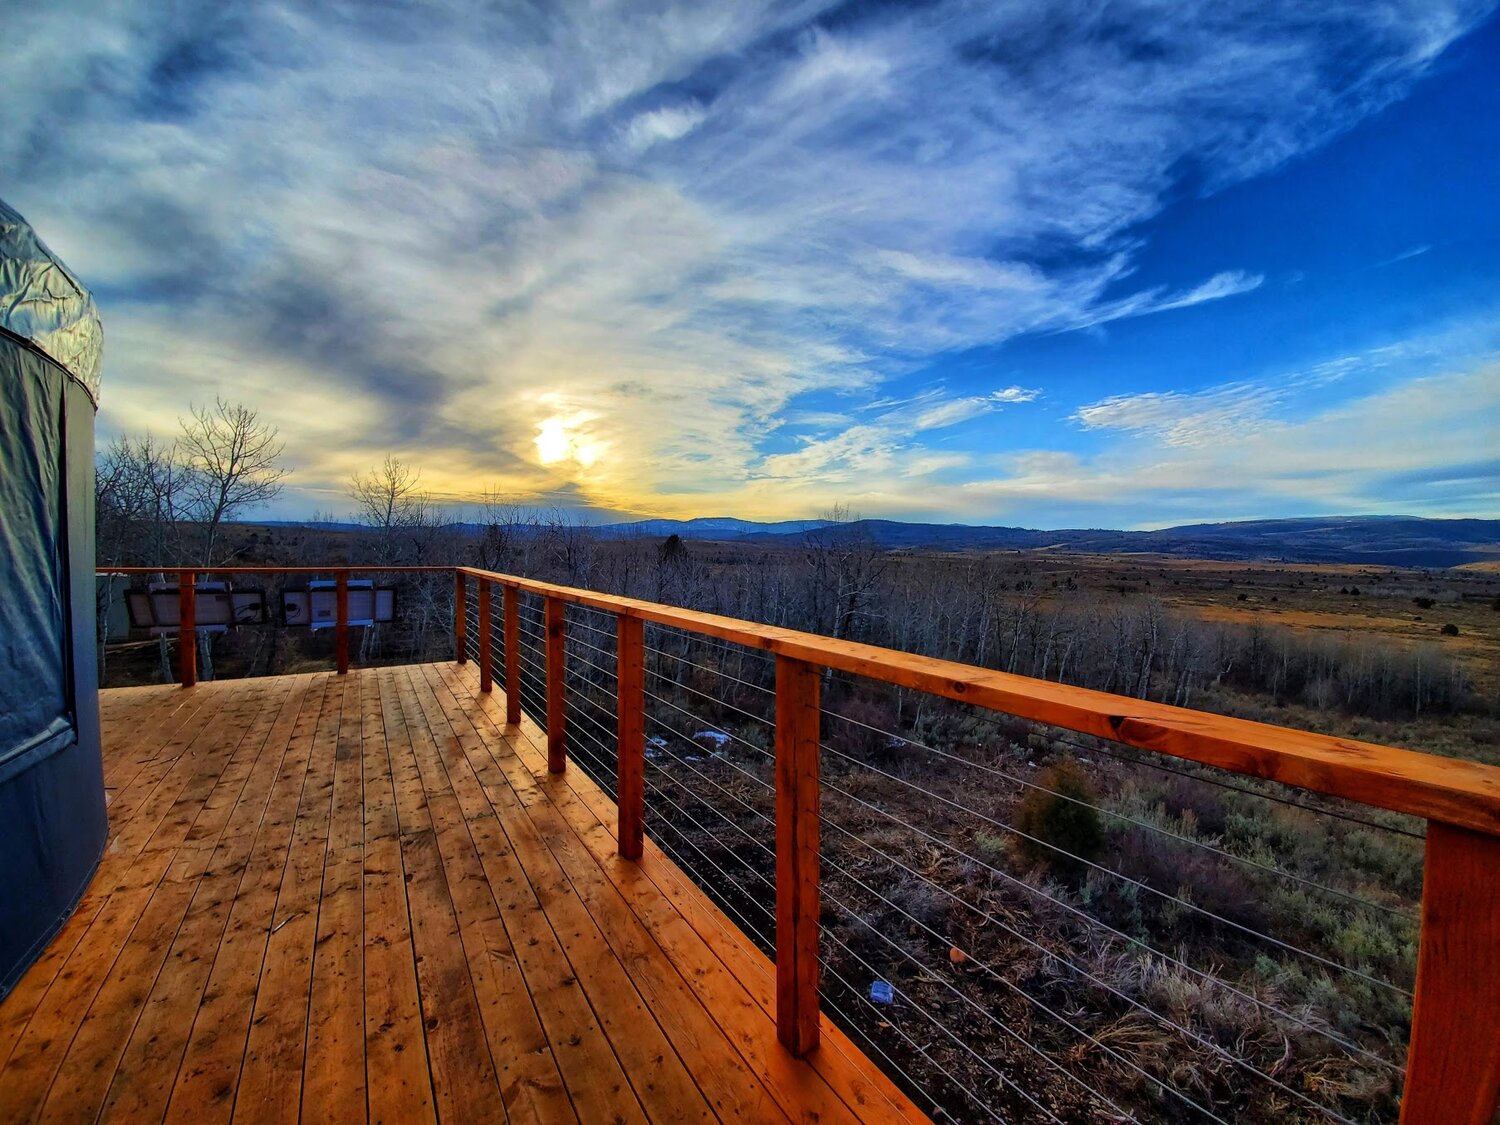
712, 527
1368, 540
1364, 540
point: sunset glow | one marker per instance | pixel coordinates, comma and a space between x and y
984, 264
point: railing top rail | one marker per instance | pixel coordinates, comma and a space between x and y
1464, 794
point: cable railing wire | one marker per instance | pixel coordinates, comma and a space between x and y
712, 729
1005, 1081
761, 816
1217, 1049
1185, 903
761, 719
858, 1028
593, 719
715, 671
1279, 799
1207, 977
934, 974
1203, 845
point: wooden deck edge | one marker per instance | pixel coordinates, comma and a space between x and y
740, 957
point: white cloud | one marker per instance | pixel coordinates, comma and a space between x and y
1216, 288
669, 123
1016, 394
1379, 452
1184, 419
676, 219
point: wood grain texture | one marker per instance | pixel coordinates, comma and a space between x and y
341, 898
630, 670
735, 981
1453, 1059
187, 629
557, 685
797, 835
460, 617
1464, 794
511, 612
486, 636
341, 622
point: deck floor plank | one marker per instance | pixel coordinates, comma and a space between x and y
733, 1089
531, 1084
142, 1083
129, 877
464, 1082
209, 1071
592, 1074
275, 1048
662, 1083
363, 898
868, 1092
333, 1083
89, 1066
398, 1077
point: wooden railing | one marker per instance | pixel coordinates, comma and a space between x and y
1453, 1055
187, 599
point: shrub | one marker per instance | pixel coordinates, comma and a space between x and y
1063, 818
1449, 630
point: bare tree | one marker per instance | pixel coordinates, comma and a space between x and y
140, 491
390, 500
507, 533
847, 567
233, 459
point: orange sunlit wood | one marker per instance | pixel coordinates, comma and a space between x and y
1453, 1064
486, 636
187, 628
511, 610
460, 617
556, 656
797, 835
1461, 793
630, 715
434, 735
339, 897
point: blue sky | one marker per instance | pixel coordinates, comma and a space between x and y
1053, 265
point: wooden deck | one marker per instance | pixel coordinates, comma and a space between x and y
362, 898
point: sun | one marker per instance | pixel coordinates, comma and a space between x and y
552, 444
564, 439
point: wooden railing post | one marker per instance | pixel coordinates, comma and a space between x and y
486, 627
460, 617
630, 719
557, 667
1453, 1056
341, 623
511, 608
187, 628
797, 833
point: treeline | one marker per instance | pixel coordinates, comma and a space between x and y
173, 504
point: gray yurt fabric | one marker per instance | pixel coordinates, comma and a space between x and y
52, 815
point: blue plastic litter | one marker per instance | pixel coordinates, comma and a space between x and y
881, 992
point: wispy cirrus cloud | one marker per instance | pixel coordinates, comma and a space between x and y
1374, 452
1185, 419
647, 232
